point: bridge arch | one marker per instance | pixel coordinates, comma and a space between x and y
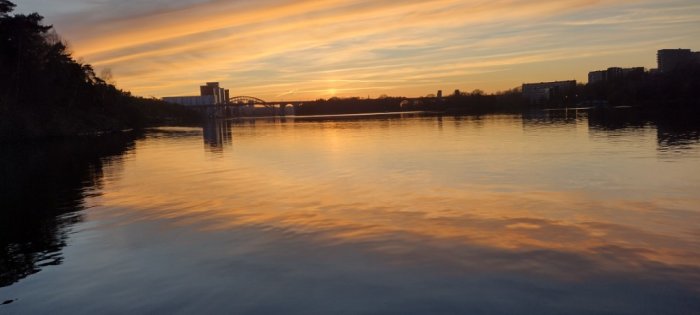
246, 100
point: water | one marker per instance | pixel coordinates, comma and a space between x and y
550, 213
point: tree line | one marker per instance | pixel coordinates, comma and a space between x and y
45, 92
677, 90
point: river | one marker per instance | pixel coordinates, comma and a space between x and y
544, 213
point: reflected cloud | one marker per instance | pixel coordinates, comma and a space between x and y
403, 213
495, 241
501, 218
523, 227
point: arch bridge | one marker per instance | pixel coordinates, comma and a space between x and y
236, 107
246, 100
251, 100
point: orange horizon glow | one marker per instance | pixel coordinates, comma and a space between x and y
303, 49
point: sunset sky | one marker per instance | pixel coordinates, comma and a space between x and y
302, 49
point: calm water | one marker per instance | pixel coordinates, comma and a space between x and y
552, 213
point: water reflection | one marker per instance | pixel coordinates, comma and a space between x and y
217, 135
541, 214
673, 131
43, 187
560, 116
678, 135
613, 120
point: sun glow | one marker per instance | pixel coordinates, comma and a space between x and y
410, 48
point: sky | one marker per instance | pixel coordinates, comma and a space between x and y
308, 49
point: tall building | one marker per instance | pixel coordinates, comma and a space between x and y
670, 59
544, 91
208, 89
213, 89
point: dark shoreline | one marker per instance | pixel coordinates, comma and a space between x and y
627, 113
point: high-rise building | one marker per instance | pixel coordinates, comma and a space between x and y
670, 59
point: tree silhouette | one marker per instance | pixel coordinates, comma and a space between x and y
45, 92
6, 7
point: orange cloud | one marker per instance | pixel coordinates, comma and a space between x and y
249, 45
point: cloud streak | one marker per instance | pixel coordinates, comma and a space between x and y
285, 48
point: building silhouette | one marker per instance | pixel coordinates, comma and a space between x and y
191, 100
667, 59
597, 76
210, 94
544, 91
213, 89
671, 59
613, 73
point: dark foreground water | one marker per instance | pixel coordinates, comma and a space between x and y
551, 213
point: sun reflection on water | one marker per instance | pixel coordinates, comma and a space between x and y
387, 180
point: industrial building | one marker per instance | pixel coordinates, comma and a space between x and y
544, 91
191, 100
213, 89
210, 94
